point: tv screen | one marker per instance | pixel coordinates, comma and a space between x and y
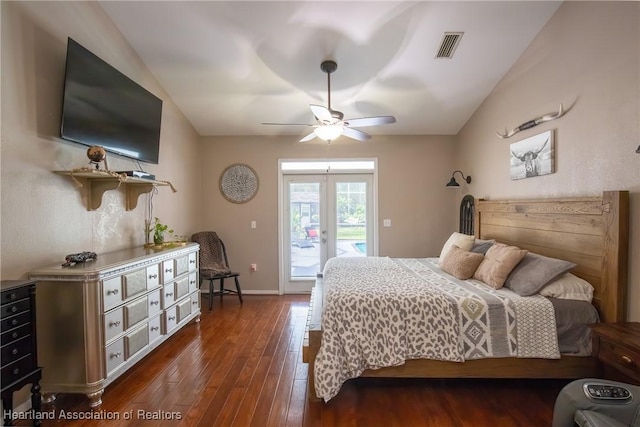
102, 106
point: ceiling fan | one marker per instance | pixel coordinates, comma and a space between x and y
330, 124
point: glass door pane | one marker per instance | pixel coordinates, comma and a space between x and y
304, 230
351, 216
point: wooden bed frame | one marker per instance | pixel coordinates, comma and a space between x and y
592, 232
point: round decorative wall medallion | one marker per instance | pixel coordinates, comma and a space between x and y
239, 183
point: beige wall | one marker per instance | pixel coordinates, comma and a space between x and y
412, 173
588, 58
44, 216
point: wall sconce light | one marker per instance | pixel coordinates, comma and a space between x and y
453, 183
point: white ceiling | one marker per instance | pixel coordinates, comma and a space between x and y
231, 65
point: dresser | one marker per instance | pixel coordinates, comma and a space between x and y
617, 348
98, 319
19, 345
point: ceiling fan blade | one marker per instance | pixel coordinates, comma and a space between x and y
287, 124
308, 137
370, 121
322, 114
356, 134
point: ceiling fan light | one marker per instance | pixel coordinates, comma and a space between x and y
328, 132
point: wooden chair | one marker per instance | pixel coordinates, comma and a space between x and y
214, 264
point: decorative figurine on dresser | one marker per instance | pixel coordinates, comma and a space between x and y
19, 347
97, 319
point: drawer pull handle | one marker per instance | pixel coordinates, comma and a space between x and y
193, 261
153, 276
14, 322
14, 335
626, 359
194, 302
116, 355
114, 292
14, 351
155, 328
116, 323
14, 309
172, 317
13, 295
169, 294
168, 270
16, 371
155, 302
193, 282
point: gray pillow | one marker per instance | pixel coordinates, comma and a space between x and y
534, 272
482, 246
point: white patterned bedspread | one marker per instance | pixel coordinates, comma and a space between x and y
383, 311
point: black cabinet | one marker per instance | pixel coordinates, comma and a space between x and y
18, 345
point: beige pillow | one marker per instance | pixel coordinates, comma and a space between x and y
569, 286
463, 241
461, 264
498, 262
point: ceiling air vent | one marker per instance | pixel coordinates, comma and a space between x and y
449, 44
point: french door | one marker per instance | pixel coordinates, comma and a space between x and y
324, 216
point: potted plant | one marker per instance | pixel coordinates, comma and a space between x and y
158, 230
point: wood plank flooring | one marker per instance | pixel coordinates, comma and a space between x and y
242, 366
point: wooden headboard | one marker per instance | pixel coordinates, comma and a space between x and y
592, 232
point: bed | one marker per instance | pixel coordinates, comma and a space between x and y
591, 232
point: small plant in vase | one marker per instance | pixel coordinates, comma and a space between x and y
158, 230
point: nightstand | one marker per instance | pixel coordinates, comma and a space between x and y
617, 348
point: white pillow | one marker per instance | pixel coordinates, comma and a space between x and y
569, 286
463, 241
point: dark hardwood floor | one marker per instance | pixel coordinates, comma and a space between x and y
241, 366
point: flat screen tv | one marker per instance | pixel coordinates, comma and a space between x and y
102, 106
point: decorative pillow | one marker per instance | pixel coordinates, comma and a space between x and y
498, 263
535, 271
482, 246
459, 263
463, 241
569, 286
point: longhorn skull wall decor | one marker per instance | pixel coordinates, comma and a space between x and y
533, 156
532, 123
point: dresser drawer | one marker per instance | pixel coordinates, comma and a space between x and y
16, 350
15, 307
182, 265
170, 318
113, 324
193, 282
153, 276
134, 283
154, 329
16, 370
153, 300
136, 340
184, 310
168, 271
114, 355
181, 288
13, 295
15, 334
135, 312
620, 357
195, 301
15, 321
168, 295
112, 292
193, 261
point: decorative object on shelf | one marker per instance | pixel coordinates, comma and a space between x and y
531, 123
97, 154
453, 183
82, 257
239, 183
533, 156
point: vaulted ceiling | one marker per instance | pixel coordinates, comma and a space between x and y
232, 65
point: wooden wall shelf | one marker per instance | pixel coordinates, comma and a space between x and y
97, 182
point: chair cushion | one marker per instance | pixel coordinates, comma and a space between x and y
585, 418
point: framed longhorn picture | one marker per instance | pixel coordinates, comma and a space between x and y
533, 156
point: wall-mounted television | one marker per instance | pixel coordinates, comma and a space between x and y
102, 106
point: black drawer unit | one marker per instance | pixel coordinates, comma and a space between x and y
18, 344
